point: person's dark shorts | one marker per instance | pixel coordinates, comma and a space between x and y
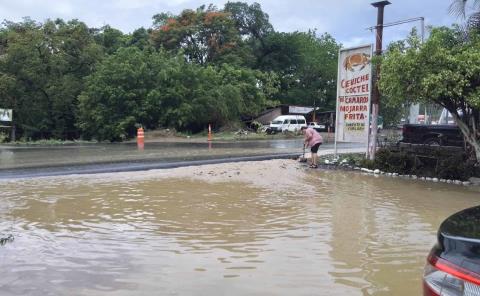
314, 148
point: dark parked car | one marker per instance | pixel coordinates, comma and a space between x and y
453, 266
438, 135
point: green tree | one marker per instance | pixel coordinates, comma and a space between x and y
250, 20
65, 80
306, 65
197, 96
110, 39
392, 112
393, 109
113, 101
43, 66
204, 35
139, 38
254, 28
446, 71
152, 89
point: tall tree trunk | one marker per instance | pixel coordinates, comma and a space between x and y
469, 133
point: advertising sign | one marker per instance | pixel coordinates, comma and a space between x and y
6, 114
299, 110
353, 94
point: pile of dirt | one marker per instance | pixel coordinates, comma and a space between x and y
276, 175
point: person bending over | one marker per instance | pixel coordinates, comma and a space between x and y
313, 140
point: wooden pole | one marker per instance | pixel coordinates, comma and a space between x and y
375, 91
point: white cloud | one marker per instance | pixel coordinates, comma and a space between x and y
356, 41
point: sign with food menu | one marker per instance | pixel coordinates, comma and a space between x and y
353, 94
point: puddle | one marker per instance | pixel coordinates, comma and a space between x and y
259, 228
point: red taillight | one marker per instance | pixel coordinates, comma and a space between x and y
443, 278
428, 291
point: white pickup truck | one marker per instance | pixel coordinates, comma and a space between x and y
287, 123
317, 127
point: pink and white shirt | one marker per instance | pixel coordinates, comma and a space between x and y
312, 137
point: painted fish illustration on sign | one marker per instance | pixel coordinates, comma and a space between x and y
356, 61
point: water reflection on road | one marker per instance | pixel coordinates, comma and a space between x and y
222, 230
47, 156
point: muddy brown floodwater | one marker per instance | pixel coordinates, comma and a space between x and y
263, 228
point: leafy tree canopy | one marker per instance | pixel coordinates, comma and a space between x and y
206, 65
42, 69
445, 71
152, 89
203, 34
307, 66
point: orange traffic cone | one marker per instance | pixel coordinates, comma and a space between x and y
140, 138
210, 137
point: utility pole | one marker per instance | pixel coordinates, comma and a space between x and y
314, 109
414, 109
375, 92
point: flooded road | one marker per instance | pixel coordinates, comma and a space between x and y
259, 228
17, 156
57, 160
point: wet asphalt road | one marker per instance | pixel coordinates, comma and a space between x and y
28, 161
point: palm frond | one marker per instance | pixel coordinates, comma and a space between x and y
458, 8
476, 4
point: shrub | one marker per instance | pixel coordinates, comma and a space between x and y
367, 163
354, 159
398, 162
440, 164
3, 137
454, 167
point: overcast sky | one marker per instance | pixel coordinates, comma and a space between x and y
346, 20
